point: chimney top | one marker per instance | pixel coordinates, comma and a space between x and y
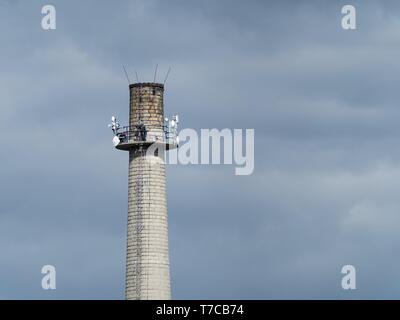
146, 84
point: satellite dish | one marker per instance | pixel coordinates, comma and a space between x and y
177, 118
166, 119
116, 141
173, 123
177, 141
113, 119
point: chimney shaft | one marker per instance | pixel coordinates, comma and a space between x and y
147, 261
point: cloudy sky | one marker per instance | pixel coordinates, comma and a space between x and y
324, 105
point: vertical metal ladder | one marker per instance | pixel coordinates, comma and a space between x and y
139, 224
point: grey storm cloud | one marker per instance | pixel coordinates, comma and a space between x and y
324, 106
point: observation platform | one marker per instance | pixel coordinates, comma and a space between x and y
140, 137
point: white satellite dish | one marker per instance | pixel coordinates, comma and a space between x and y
172, 123
177, 141
116, 141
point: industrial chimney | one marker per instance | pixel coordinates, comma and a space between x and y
146, 138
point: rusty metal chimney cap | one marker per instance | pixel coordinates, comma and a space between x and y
146, 84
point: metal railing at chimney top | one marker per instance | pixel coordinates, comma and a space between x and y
139, 133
